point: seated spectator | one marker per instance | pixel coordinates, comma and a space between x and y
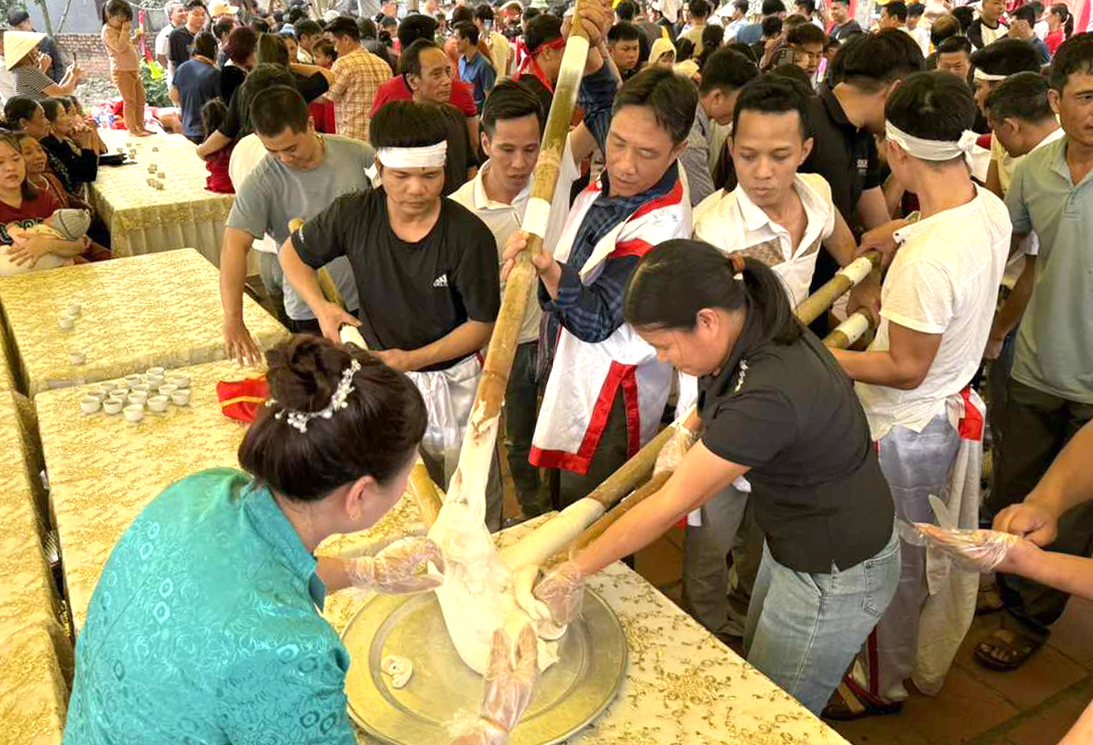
72, 155
28, 67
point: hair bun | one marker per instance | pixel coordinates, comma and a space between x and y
304, 373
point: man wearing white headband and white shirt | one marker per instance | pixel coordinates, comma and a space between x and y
935, 311
426, 271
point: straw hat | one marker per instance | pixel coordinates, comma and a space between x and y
17, 44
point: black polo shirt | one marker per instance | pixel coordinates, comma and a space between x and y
791, 415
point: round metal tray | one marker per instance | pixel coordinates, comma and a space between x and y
568, 696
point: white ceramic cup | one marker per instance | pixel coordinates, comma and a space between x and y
66, 323
157, 404
108, 385
181, 397
134, 413
132, 380
137, 397
112, 406
154, 381
73, 309
122, 396
97, 392
182, 381
90, 404
140, 387
155, 371
167, 389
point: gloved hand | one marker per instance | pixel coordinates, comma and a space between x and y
671, 455
973, 550
561, 592
507, 688
400, 568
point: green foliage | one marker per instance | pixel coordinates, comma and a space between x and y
154, 79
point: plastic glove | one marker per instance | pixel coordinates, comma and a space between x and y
561, 592
401, 568
507, 687
974, 550
671, 455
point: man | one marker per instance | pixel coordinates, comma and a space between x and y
388, 9
624, 42
629, 11
1022, 23
919, 31
737, 19
771, 39
943, 28
545, 46
512, 125
935, 308
807, 45
1050, 395
781, 218
699, 11
427, 72
182, 38
426, 274
196, 82
843, 25
500, 49
606, 389
358, 74
176, 17
753, 32
723, 75
954, 56
995, 63
307, 33
52, 64
807, 9
988, 27
894, 15
474, 68
300, 175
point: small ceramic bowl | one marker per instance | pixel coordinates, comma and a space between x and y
134, 413
182, 381
154, 381
97, 392
167, 389
140, 388
108, 386
90, 404
73, 310
161, 175
181, 398
152, 168
155, 371
121, 396
132, 380
77, 358
157, 404
66, 323
137, 397
112, 406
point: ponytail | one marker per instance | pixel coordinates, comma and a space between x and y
1061, 10
678, 278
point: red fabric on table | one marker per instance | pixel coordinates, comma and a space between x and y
242, 399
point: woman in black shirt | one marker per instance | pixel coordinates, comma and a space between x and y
773, 404
72, 155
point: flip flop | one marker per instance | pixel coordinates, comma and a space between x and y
1018, 647
850, 702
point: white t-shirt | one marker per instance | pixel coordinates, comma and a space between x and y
505, 219
943, 280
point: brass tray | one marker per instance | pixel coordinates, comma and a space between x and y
568, 696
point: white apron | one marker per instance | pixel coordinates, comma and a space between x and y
449, 395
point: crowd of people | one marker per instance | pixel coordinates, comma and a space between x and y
721, 166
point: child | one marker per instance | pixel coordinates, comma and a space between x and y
64, 224
213, 115
124, 63
322, 109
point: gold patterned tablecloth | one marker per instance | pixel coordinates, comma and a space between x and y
143, 219
683, 686
33, 693
156, 310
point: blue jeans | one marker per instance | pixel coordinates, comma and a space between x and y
805, 629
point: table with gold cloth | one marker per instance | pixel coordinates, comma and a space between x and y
143, 219
155, 310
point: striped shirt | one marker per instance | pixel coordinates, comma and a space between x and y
357, 78
31, 81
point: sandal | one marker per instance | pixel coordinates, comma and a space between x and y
850, 702
1017, 648
988, 601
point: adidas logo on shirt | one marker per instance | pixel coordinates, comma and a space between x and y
441, 281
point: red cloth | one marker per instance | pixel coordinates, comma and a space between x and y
218, 180
32, 212
322, 116
242, 399
396, 89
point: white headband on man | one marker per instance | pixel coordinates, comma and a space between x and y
987, 77
427, 156
934, 150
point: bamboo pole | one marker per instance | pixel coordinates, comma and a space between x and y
849, 331
850, 275
426, 494
326, 282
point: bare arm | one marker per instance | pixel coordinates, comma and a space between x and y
174, 95
303, 279
993, 182
214, 143
904, 365
893, 194
310, 70
871, 209
1009, 315
841, 244
464, 339
238, 342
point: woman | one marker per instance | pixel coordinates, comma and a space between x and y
22, 207
242, 57
74, 151
663, 53
25, 63
206, 625
773, 404
1060, 25
82, 123
196, 82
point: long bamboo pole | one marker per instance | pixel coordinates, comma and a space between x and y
849, 331
850, 275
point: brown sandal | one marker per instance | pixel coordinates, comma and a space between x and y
1016, 646
849, 702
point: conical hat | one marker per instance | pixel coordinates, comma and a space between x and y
17, 44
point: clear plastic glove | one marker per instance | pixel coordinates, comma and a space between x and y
974, 550
671, 455
507, 687
561, 592
401, 568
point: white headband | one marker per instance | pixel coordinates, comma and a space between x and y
987, 77
428, 156
935, 150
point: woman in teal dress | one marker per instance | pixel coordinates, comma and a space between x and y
205, 626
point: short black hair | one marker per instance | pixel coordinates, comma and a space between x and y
742, 5
1006, 57
260, 25
1025, 13
965, 16
670, 97
17, 16
462, 13
809, 6
698, 8
117, 8
1022, 96
943, 28
932, 106
623, 31
409, 62
213, 114
510, 99
276, 108
726, 70
626, 10
806, 33
368, 29
414, 27
795, 75
407, 124
468, 31
541, 30
955, 44
872, 61
484, 12
896, 9
205, 45
295, 13
191, 4
772, 94
344, 26
307, 27
915, 10
771, 26
744, 50
1073, 55
222, 27
771, 7
326, 48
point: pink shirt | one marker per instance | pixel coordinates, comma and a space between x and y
120, 49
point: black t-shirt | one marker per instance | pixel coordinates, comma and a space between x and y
411, 294
237, 123
791, 415
231, 77
178, 45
